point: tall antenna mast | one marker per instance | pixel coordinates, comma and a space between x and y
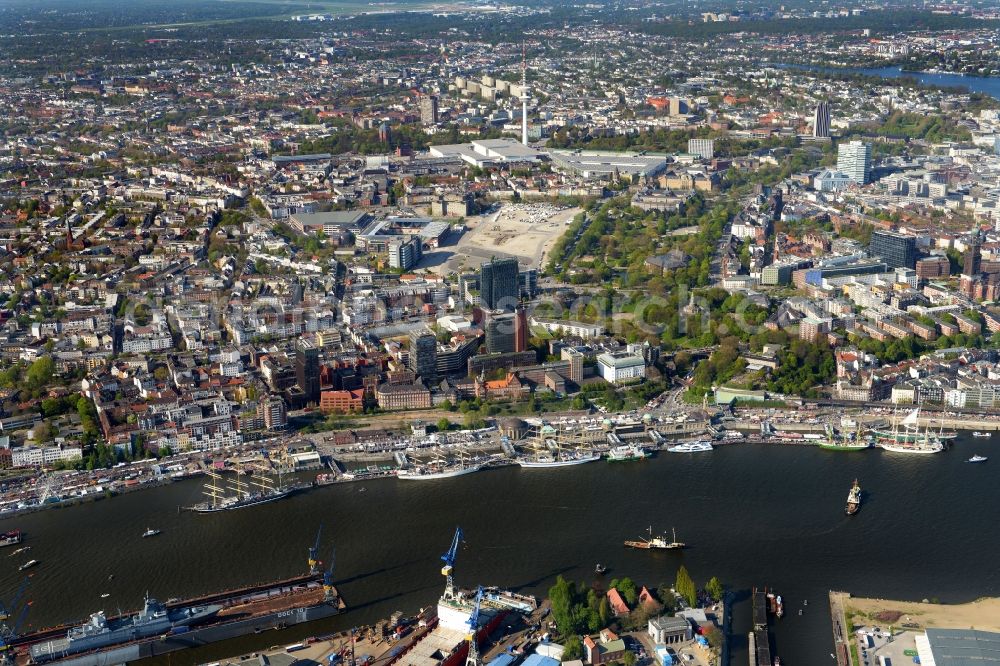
524, 96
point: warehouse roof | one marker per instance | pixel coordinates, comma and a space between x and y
964, 647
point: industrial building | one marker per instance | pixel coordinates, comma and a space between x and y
958, 647
335, 224
486, 153
605, 165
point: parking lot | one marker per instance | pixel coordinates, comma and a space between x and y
875, 642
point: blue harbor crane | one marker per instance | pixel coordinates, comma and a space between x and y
449, 564
473, 657
10, 630
329, 593
314, 552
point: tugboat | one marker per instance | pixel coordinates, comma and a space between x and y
853, 499
656, 542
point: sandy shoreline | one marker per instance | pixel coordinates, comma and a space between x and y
980, 614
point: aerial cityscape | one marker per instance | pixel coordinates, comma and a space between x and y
425, 333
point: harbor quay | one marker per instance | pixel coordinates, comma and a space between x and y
345, 456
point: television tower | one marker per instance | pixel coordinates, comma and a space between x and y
525, 95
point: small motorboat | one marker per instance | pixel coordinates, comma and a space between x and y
105, 595
27, 565
600, 569
150, 532
977, 459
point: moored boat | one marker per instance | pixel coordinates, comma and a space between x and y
260, 489
432, 472
844, 445
626, 452
982, 434
691, 447
563, 459
10, 538
907, 447
910, 432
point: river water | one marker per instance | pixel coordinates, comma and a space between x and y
752, 514
982, 84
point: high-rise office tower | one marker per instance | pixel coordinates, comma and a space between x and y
896, 250
703, 148
429, 109
307, 370
520, 329
423, 355
500, 328
821, 121
973, 260
855, 160
499, 286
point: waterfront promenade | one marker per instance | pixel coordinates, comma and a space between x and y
841, 632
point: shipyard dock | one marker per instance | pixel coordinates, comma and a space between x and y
251, 609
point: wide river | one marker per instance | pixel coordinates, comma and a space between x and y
983, 84
751, 514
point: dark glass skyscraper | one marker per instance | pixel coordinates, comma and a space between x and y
307, 370
896, 250
499, 284
423, 355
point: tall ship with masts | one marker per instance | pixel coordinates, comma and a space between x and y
857, 442
910, 432
240, 493
910, 439
439, 468
563, 444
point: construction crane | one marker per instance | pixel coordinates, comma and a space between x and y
473, 657
314, 552
449, 564
10, 630
5, 610
329, 593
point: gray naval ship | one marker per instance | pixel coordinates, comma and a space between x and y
99, 632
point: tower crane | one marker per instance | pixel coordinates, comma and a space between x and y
449, 564
329, 593
473, 658
314, 552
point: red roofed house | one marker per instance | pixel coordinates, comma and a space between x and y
618, 605
647, 600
